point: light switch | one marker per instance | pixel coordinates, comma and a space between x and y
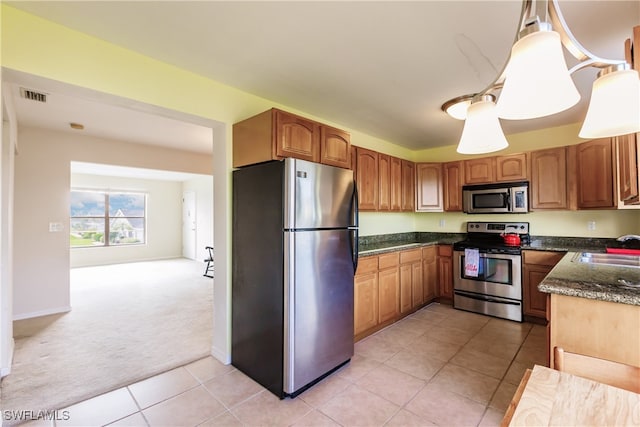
55, 227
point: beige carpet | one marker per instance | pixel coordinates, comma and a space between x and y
128, 322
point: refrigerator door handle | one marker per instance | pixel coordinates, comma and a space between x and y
355, 247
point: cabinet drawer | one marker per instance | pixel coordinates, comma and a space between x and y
413, 255
367, 265
542, 257
429, 254
445, 250
388, 260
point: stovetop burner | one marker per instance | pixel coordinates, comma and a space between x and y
487, 237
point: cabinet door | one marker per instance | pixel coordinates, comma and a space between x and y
408, 186
511, 168
445, 272
384, 182
479, 171
335, 147
367, 179
452, 183
535, 302
389, 294
297, 137
395, 183
549, 179
429, 273
628, 167
365, 293
405, 288
417, 291
596, 173
429, 187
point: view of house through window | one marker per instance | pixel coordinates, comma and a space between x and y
96, 214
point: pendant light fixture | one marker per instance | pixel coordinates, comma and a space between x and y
535, 82
482, 132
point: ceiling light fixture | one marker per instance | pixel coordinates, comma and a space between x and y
535, 82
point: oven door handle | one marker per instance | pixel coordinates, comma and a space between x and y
485, 298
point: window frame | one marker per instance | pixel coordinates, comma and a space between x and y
107, 217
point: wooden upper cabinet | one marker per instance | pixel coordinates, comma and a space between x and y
408, 185
479, 171
384, 182
452, 182
395, 184
296, 137
367, 179
596, 170
429, 187
276, 134
628, 168
548, 189
335, 147
511, 168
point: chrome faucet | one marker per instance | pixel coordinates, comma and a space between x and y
628, 237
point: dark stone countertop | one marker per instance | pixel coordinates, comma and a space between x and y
376, 245
593, 281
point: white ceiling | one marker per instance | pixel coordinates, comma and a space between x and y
382, 67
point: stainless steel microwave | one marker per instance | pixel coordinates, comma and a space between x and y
504, 197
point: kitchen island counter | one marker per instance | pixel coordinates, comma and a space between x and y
593, 281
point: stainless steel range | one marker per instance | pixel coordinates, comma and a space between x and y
487, 275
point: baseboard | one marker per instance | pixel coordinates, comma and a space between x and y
221, 355
6, 370
47, 312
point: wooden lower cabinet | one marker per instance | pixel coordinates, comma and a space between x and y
388, 287
365, 295
535, 267
602, 329
429, 273
445, 273
410, 280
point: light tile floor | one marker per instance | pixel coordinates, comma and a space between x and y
439, 366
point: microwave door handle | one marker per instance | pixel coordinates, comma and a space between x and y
509, 207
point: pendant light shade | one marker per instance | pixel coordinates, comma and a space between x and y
614, 108
482, 132
537, 82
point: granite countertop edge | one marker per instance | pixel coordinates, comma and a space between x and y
596, 282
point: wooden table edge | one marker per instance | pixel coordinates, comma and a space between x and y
508, 415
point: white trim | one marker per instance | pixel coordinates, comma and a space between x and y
221, 355
42, 313
6, 370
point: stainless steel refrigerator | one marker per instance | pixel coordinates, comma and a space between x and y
295, 251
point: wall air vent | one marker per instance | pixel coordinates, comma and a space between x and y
33, 95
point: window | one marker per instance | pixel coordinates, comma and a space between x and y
96, 214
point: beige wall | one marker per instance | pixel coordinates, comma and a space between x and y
163, 221
42, 182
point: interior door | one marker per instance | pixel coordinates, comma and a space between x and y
189, 225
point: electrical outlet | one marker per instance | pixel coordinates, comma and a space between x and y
591, 225
442, 223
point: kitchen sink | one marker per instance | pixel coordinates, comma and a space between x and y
616, 260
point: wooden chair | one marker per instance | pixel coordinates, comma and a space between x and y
604, 371
209, 260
